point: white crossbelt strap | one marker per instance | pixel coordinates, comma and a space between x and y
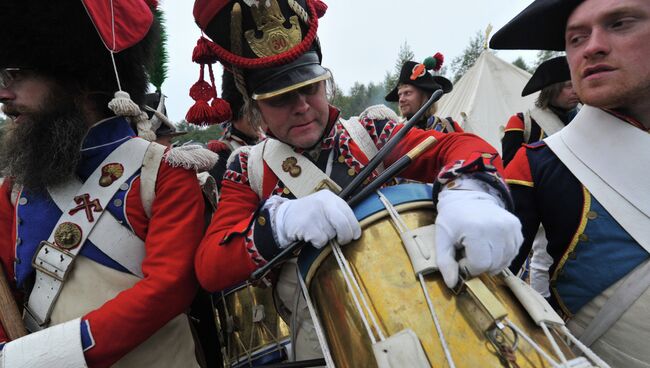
148, 175
547, 120
112, 238
360, 136
617, 176
311, 179
635, 283
51, 262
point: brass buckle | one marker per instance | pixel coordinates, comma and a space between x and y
38, 265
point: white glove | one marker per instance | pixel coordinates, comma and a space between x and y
474, 220
316, 218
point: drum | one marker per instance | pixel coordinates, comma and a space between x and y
473, 335
253, 334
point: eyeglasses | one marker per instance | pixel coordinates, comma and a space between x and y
8, 75
289, 98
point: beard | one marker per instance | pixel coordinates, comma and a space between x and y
44, 149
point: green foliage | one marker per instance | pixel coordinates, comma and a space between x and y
543, 55
404, 54
521, 63
196, 133
359, 98
462, 63
158, 71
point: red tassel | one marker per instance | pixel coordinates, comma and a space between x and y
202, 53
440, 59
221, 110
200, 114
217, 146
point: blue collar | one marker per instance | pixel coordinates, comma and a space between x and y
101, 139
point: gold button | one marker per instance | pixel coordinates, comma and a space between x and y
451, 184
261, 220
592, 215
366, 181
351, 171
341, 159
286, 191
583, 237
486, 155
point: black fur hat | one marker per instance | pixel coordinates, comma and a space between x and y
59, 39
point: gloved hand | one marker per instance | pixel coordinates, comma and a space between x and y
316, 218
473, 220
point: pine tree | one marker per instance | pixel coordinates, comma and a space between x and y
543, 55
462, 63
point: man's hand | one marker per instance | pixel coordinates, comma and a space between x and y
474, 221
316, 218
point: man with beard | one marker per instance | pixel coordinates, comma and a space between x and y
271, 193
554, 108
97, 230
413, 89
588, 184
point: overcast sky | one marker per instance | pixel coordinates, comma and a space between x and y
360, 38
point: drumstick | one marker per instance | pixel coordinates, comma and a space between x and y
394, 169
12, 322
388, 147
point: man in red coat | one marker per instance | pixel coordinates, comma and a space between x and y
97, 230
268, 200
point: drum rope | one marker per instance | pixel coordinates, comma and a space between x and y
586, 350
401, 227
436, 322
329, 362
531, 342
554, 344
350, 280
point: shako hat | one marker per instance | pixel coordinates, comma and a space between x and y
541, 26
270, 45
551, 71
418, 75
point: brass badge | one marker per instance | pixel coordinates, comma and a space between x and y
67, 235
110, 173
291, 166
274, 38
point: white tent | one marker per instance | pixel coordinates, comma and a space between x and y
486, 96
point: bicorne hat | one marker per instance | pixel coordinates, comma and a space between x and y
418, 75
551, 71
541, 26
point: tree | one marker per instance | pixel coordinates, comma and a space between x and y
543, 55
197, 134
521, 63
405, 54
462, 63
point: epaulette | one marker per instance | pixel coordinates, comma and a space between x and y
191, 157
378, 112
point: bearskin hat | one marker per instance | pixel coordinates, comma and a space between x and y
59, 38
